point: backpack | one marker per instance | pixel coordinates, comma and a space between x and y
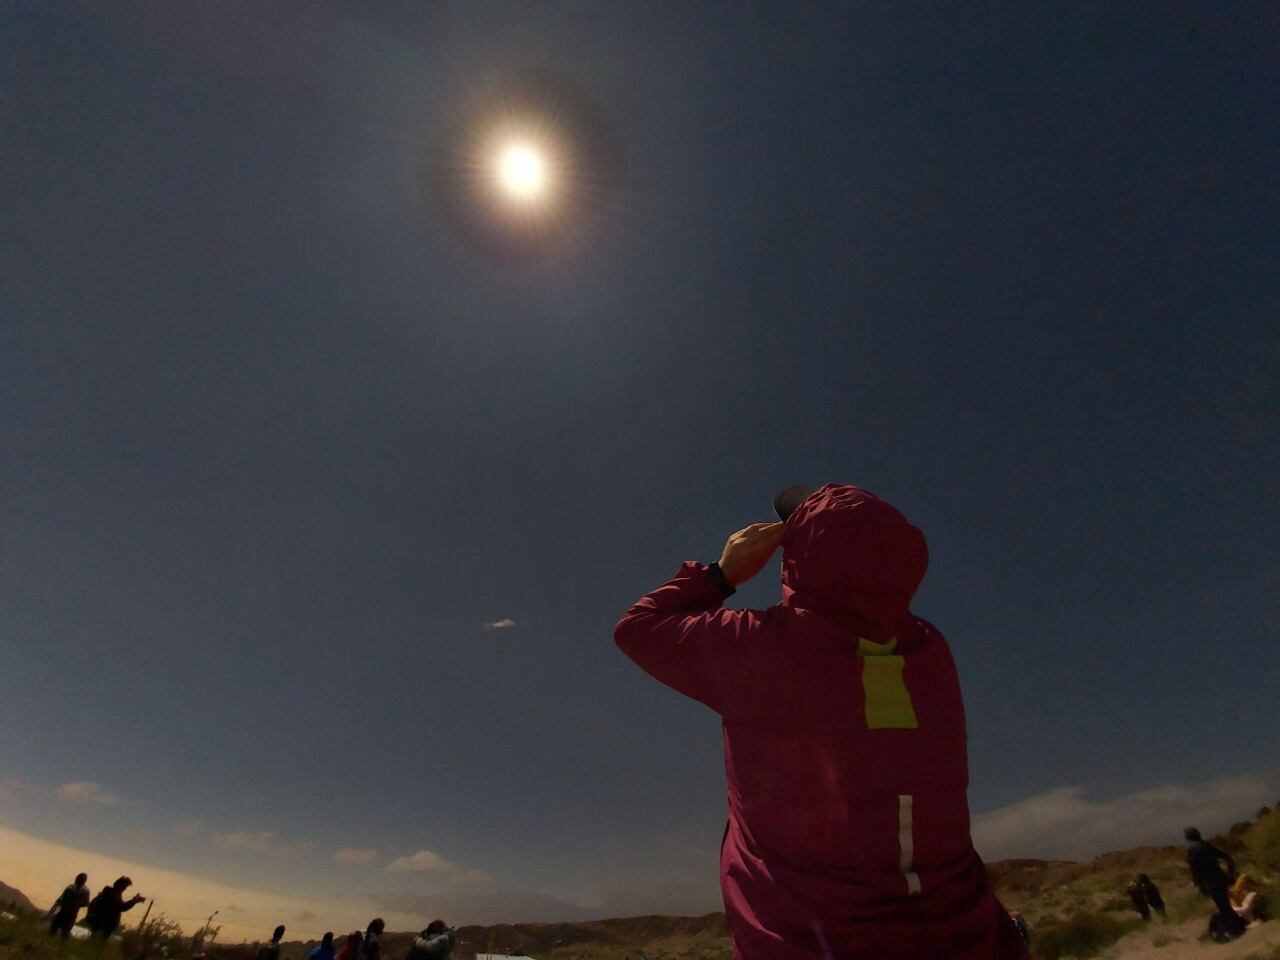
93, 914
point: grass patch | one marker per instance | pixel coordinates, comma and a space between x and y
1084, 934
1263, 841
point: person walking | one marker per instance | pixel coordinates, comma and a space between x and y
844, 739
271, 950
1152, 893
1203, 859
324, 951
68, 906
103, 915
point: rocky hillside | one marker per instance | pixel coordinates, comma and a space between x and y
11, 897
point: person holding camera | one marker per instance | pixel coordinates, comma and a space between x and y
103, 915
434, 943
844, 739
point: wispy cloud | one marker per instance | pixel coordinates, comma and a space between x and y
1065, 824
424, 861
440, 871
355, 855
259, 842
188, 828
506, 623
85, 792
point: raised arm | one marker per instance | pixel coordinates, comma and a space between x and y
679, 634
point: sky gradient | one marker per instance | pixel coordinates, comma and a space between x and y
316, 515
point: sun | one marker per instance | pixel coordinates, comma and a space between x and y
522, 172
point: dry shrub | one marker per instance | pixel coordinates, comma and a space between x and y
1084, 935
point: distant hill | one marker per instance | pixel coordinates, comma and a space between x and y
1074, 909
12, 897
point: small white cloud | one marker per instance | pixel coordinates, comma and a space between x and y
1064, 824
506, 623
354, 855
84, 792
442, 874
259, 842
424, 861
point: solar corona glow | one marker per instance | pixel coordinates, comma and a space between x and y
525, 169
522, 172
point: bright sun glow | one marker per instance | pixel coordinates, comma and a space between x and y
522, 172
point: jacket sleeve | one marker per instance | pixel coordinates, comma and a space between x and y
679, 634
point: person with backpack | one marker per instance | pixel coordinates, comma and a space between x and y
434, 943
844, 739
103, 915
1203, 859
324, 951
67, 907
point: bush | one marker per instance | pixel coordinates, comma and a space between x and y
1264, 842
1084, 935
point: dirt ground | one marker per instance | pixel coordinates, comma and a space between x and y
1181, 942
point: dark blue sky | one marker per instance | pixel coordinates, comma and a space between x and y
277, 440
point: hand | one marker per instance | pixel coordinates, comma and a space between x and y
748, 550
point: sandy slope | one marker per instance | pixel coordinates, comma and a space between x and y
1181, 942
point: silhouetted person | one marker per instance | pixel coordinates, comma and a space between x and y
324, 951
1139, 898
68, 906
103, 915
271, 951
844, 739
1152, 893
371, 948
1203, 859
434, 943
351, 948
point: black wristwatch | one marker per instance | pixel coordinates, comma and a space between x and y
726, 588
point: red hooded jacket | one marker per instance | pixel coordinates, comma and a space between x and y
844, 746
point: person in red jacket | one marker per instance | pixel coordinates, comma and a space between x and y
844, 739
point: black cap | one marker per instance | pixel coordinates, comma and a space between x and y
787, 499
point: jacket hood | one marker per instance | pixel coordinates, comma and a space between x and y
847, 553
